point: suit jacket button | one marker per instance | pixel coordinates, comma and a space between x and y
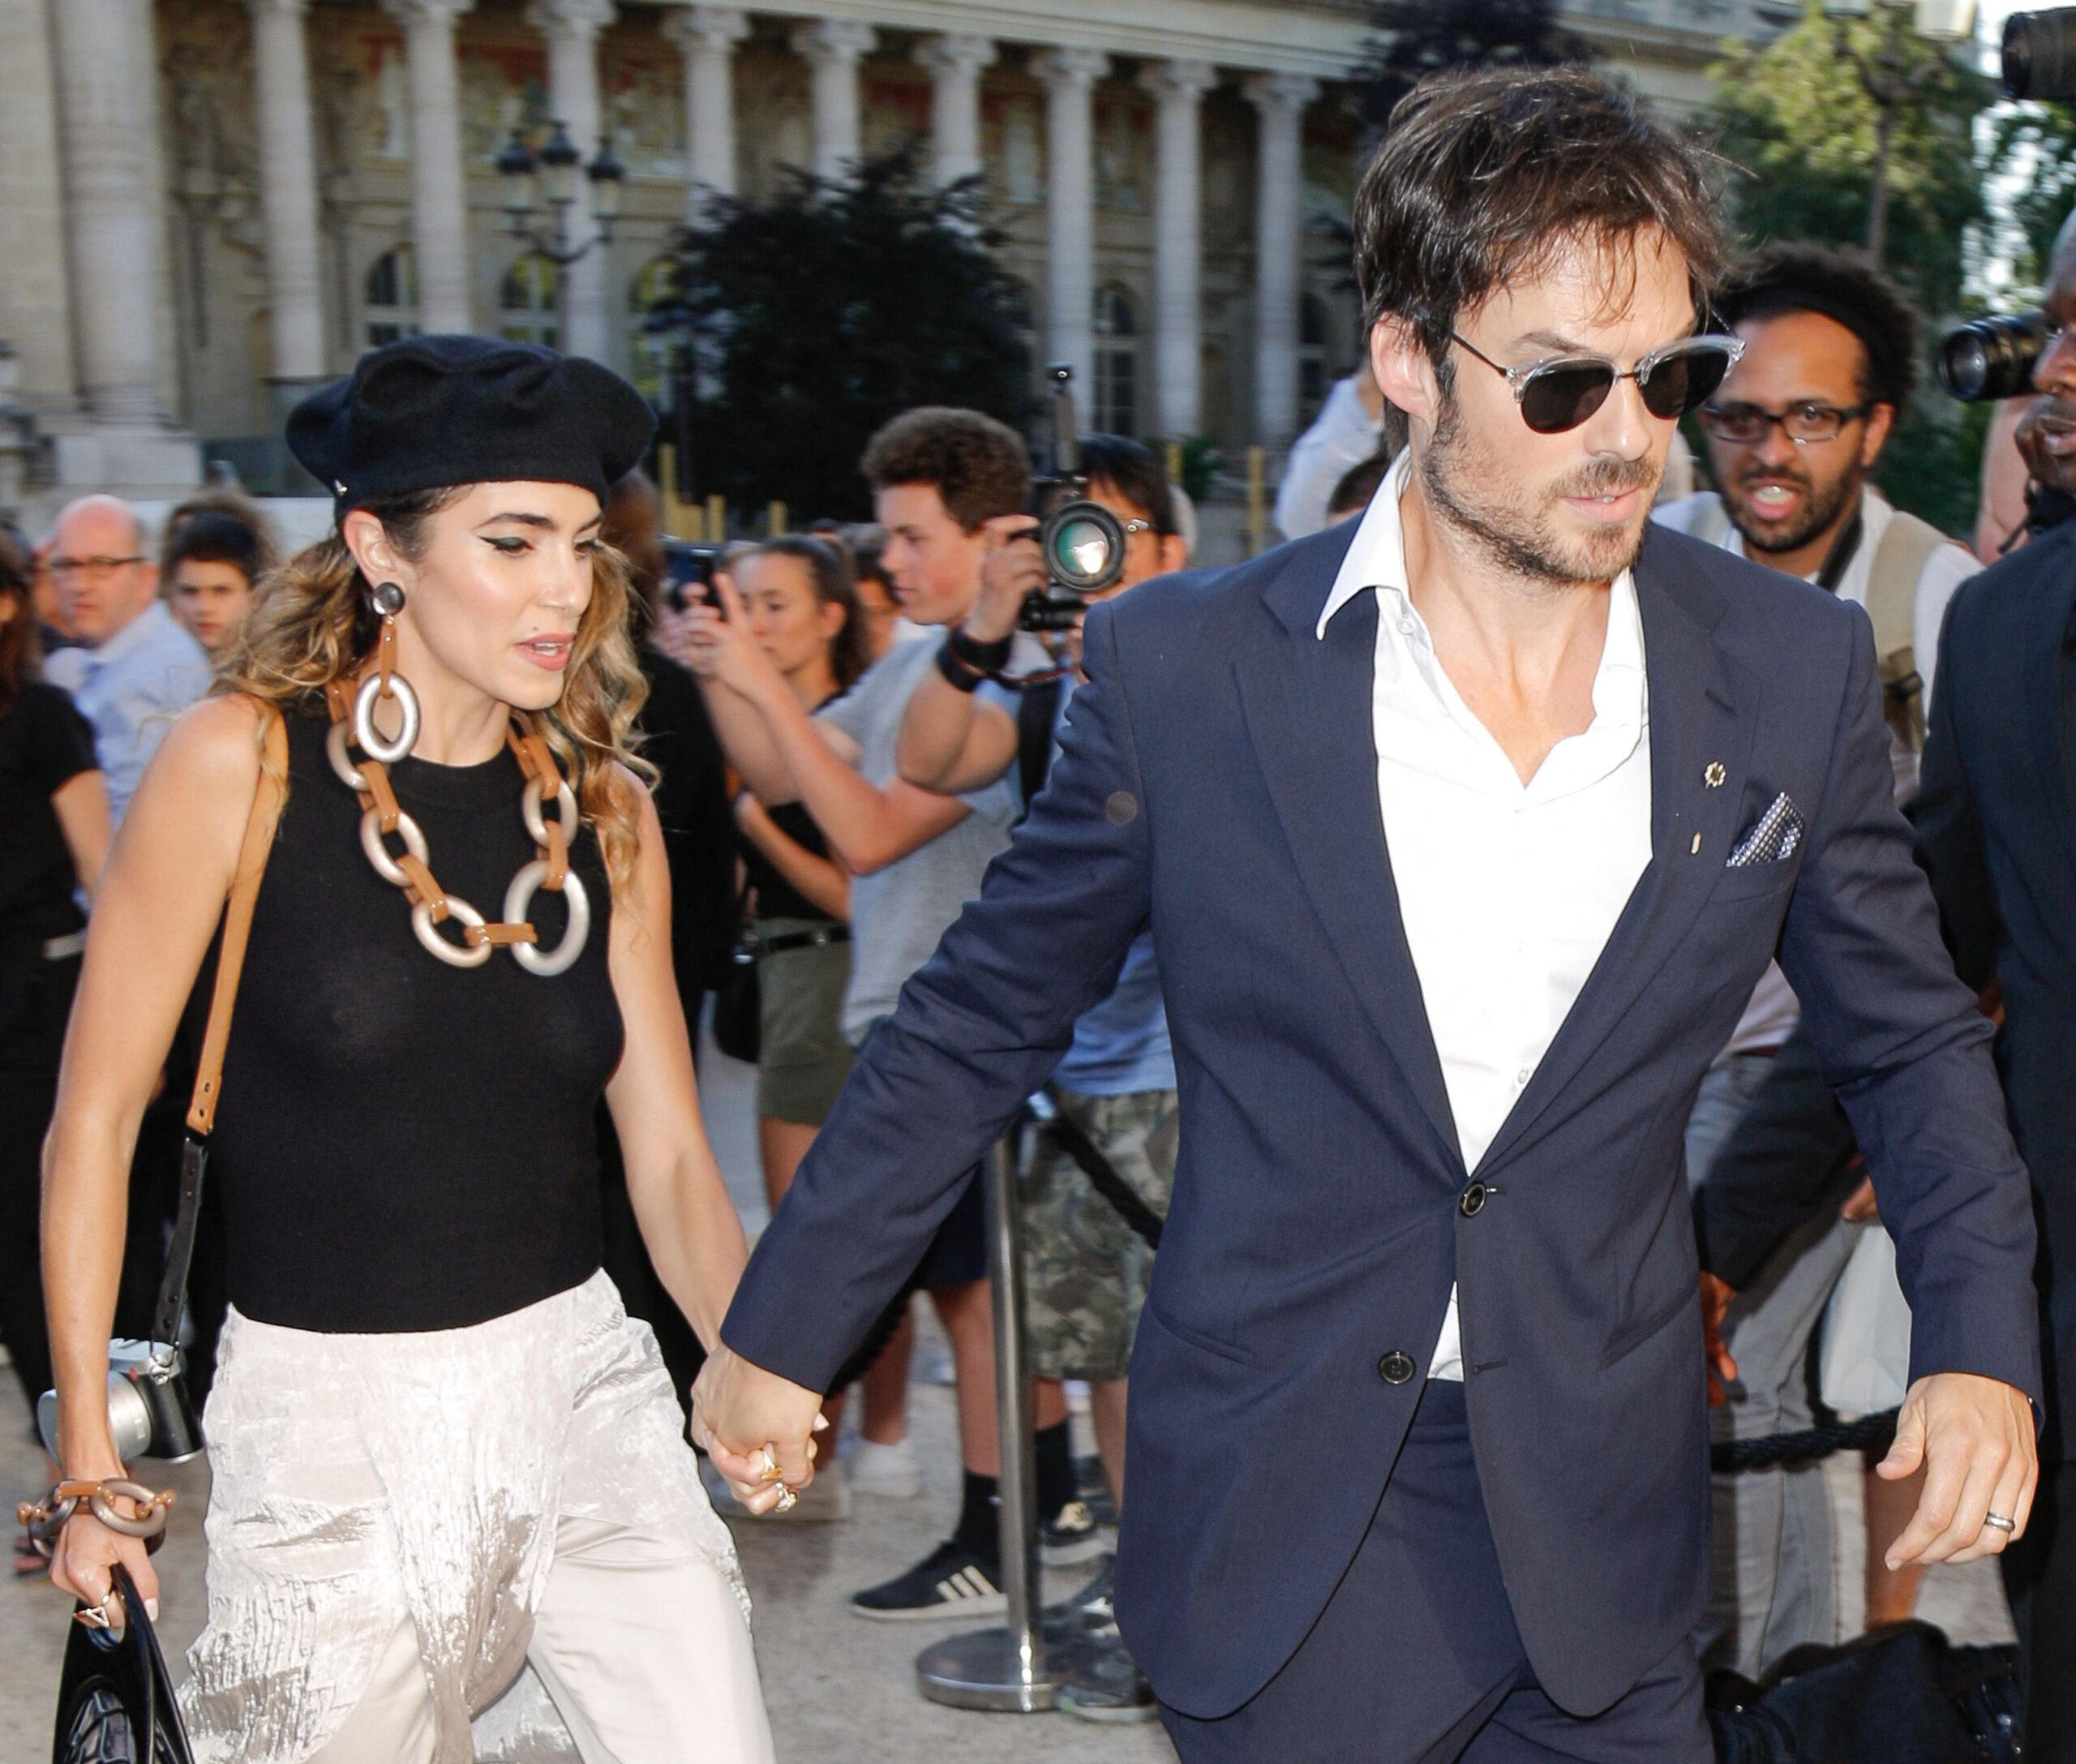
1472, 1201
1396, 1368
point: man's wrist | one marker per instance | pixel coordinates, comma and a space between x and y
966, 662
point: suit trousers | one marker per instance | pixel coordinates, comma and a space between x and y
2040, 1574
1416, 1658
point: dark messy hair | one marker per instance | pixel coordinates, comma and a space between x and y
980, 467
1134, 472
1844, 286
829, 571
1485, 177
216, 536
1360, 483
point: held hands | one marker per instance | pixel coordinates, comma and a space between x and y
1976, 1436
738, 1411
1715, 1299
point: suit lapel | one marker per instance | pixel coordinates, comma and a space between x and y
1702, 715
1308, 704
2046, 629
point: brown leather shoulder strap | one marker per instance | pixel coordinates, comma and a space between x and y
267, 801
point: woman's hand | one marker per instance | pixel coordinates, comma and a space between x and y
86, 1554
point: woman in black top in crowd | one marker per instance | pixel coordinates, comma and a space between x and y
441, 1451
54, 803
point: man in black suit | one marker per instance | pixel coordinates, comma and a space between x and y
1997, 831
1464, 831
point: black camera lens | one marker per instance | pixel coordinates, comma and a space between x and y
1084, 546
1993, 359
2040, 54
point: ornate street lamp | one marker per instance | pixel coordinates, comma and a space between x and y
551, 175
1912, 49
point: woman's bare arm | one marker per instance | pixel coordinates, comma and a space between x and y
81, 805
822, 884
162, 893
690, 1225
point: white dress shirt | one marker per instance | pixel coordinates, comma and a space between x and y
1344, 434
1508, 891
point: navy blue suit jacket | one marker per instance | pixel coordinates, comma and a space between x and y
1218, 779
1997, 829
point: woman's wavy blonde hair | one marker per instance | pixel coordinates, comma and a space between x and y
313, 622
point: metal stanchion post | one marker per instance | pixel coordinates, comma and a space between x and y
1005, 1668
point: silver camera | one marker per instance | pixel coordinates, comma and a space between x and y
149, 1412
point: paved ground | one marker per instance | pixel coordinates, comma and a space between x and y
839, 1688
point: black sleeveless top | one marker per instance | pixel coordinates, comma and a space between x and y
403, 1144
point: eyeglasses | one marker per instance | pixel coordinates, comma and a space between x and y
93, 569
1134, 527
1561, 392
1746, 425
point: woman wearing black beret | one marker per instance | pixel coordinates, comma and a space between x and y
441, 1451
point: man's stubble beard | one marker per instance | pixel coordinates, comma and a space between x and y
1822, 506
1522, 544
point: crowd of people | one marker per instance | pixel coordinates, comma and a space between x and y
770, 785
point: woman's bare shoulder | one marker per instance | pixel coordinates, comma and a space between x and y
210, 757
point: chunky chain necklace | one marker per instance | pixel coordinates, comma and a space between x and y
352, 712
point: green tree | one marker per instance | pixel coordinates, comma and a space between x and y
2035, 146
831, 308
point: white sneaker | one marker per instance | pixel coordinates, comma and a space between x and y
888, 1471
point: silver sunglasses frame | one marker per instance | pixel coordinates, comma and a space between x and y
1520, 377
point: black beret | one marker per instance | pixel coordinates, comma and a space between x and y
430, 412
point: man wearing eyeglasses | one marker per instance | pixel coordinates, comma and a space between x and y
1794, 434
132, 668
1463, 830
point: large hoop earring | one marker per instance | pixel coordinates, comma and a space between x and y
385, 682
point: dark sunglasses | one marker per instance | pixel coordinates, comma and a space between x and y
1561, 392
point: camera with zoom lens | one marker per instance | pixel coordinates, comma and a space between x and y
1993, 359
1082, 541
149, 1412
2040, 54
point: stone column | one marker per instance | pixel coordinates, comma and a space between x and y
287, 197
1071, 76
707, 37
440, 208
1179, 89
571, 29
955, 61
1281, 98
110, 206
833, 48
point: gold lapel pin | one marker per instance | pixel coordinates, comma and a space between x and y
1714, 775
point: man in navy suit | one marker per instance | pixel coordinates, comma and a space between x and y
1465, 832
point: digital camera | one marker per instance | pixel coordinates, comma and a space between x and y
149, 1412
1994, 357
2040, 54
1082, 541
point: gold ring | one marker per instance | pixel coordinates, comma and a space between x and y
770, 1464
787, 1500
2000, 1522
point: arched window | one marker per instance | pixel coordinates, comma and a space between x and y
1312, 383
1115, 408
525, 302
392, 292
649, 352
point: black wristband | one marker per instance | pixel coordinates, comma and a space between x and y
982, 658
957, 674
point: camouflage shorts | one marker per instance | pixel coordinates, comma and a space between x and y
1086, 1268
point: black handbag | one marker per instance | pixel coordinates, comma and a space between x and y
739, 1004
115, 1697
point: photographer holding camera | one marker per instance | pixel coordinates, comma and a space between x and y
1087, 1270
1995, 826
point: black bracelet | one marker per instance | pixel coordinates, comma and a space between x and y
982, 658
957, 674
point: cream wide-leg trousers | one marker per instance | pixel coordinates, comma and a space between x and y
401, 1525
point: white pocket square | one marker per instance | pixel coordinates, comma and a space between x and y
1774, 837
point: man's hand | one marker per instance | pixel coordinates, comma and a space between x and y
738, 1411
1012, 569
1715, 1299
1976, 1436
719, 645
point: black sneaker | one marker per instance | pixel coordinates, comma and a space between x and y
1108, 1687
1070, 1536
950, 1582
1094, 1487
1085, 1613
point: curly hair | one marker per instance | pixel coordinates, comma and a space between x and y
980, 467
1484, 177
313, 623
1843, 285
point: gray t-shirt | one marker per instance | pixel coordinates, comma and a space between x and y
898, 914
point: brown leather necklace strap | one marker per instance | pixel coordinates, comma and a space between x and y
260, 824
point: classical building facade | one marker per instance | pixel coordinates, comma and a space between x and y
207, 205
